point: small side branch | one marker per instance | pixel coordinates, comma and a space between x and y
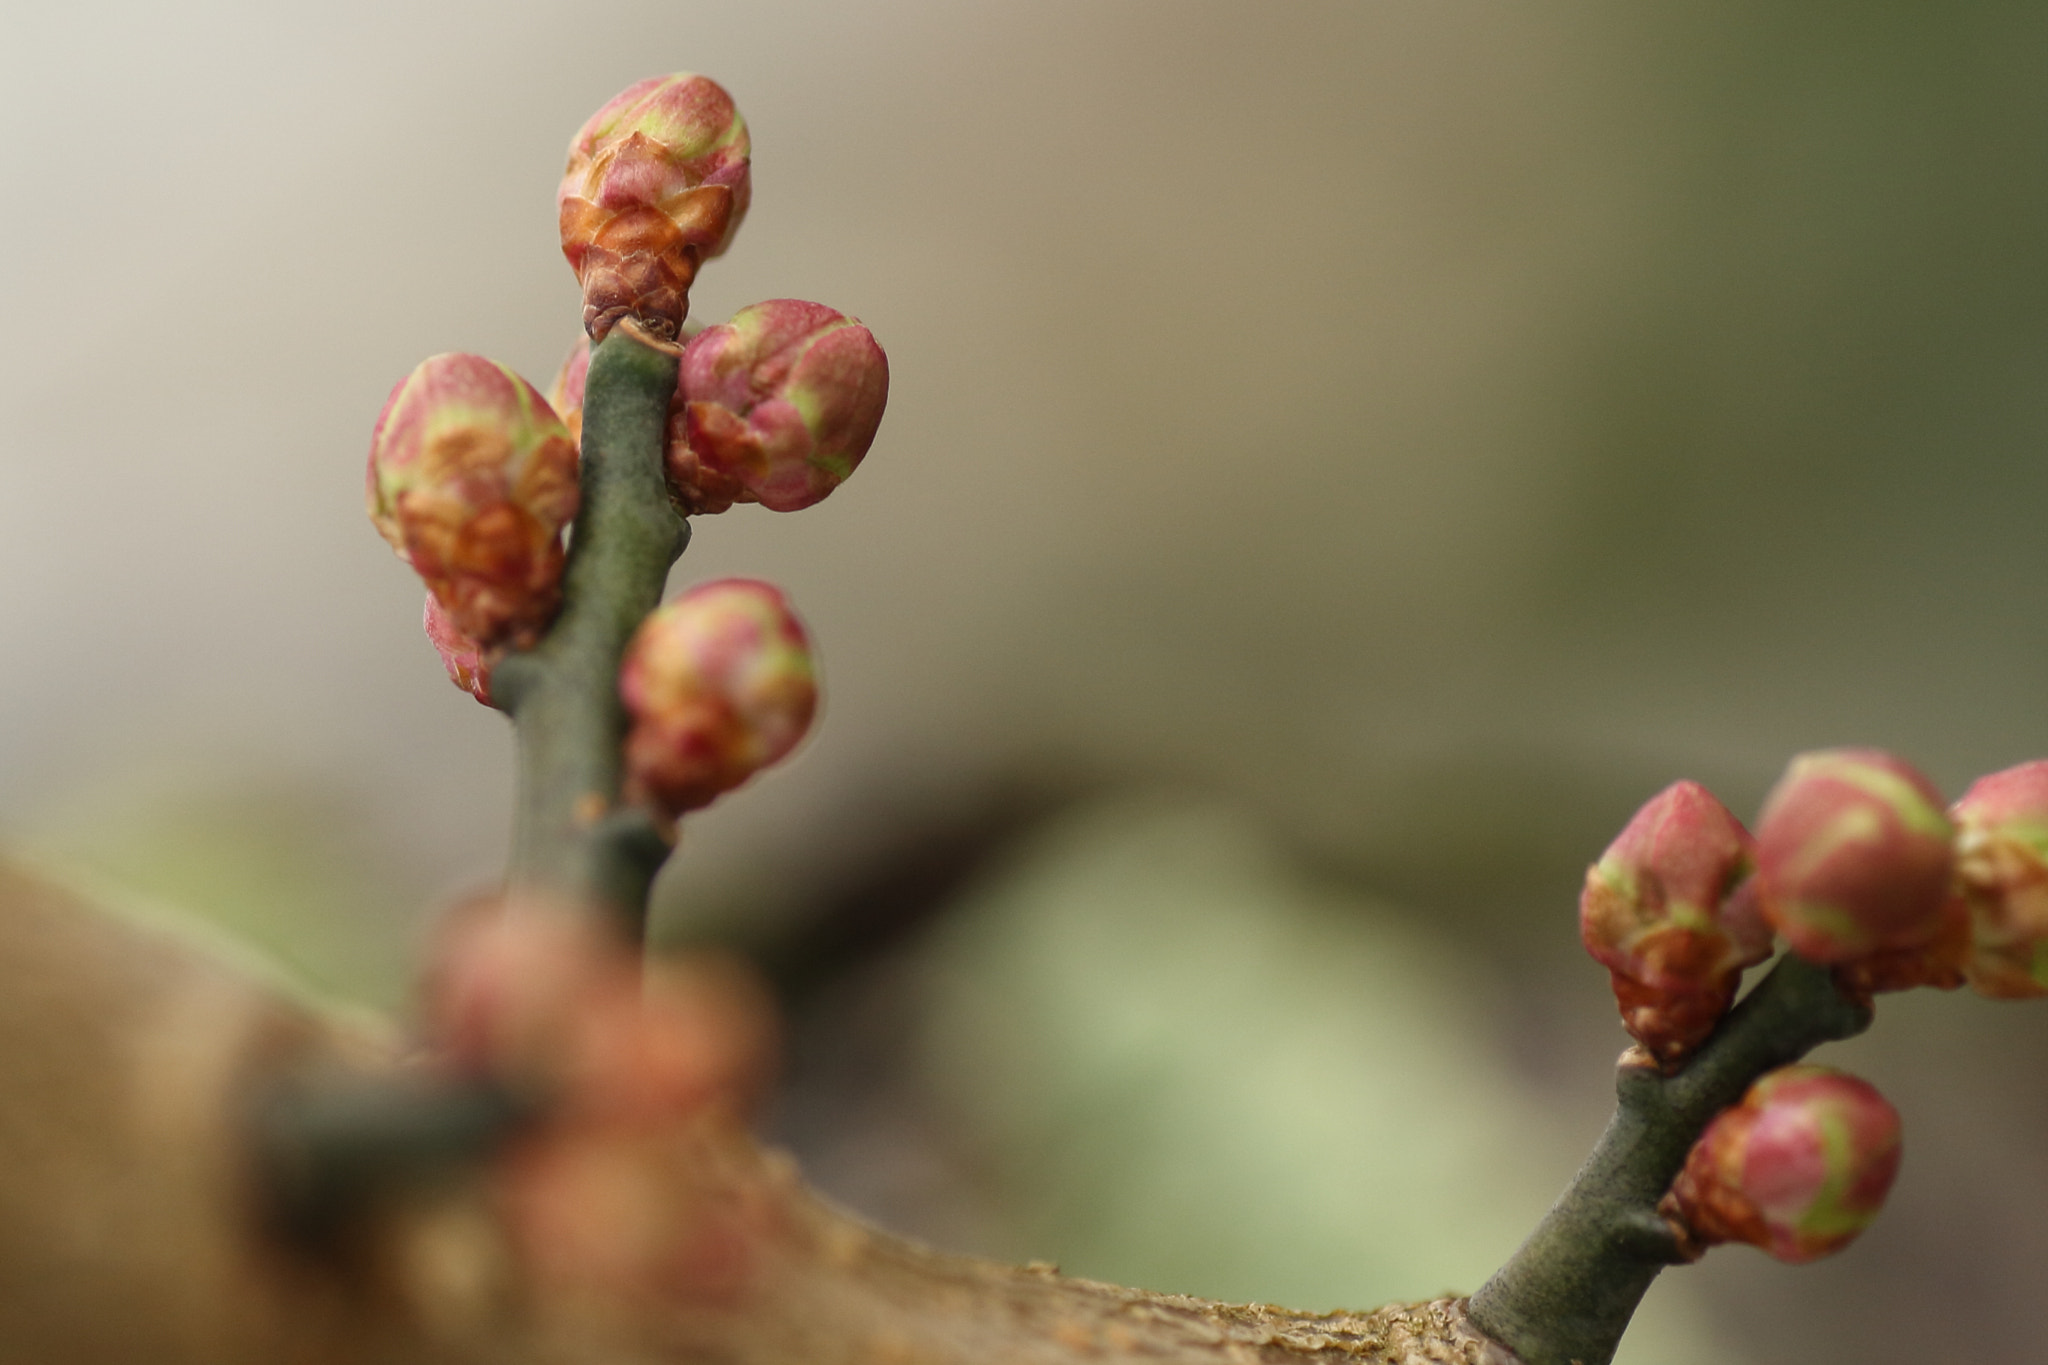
1566, 1296
570, 837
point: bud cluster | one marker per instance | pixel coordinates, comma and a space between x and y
637, 1066
1799, 1168
1857, 868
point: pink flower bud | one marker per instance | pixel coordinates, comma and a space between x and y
1853, 856
1667, 910
565, 393
656, 182
467, 662
1799, 1168
472, 478
776, 406
719, 684
2002, 866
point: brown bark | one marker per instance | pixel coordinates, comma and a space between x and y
132, 1226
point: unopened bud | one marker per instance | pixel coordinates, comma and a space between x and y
1854, 856
468, 663
656, 182
776, 406
565, 392
2002, 867
719, 684
472, 478
1668, 911
1799, 1168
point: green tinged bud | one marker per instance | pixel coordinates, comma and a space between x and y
1854, 857
2002, 868
1668, 911
1799, 1168
471, 479
719, 684
656, 182
776, 406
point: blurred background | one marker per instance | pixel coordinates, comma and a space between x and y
1342, 458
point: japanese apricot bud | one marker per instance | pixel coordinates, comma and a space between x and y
2002, 868
1799, 1168
1667, 911
565, 392
719, 684
468, 663
776, 406
472, 478
1854, 856
656, 181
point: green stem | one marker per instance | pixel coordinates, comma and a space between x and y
570, 836
328, 1151
1566, 1296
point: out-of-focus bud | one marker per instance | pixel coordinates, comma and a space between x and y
1799, 1168
2002, 867
719, 684
656, 182
624, 1187
565, 394
1668, 911
550, 999
467, 662
472, 478
776, 406
1854, 856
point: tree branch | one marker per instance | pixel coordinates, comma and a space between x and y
1566, 1296
327, 1150
570, 837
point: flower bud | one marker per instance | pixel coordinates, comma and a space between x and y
1799, 1168
2002, 868
656, 182
1854, 856
776, 406
1668, 911
467, 662
472, 478
565, 393
719, 684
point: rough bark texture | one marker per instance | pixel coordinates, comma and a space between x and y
132, 1227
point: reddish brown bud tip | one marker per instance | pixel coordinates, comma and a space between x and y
467, 662
1854, 856
1667, 910
2002, 868
1799, 1168
472, 478
776, 406
656, 182
719, 684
